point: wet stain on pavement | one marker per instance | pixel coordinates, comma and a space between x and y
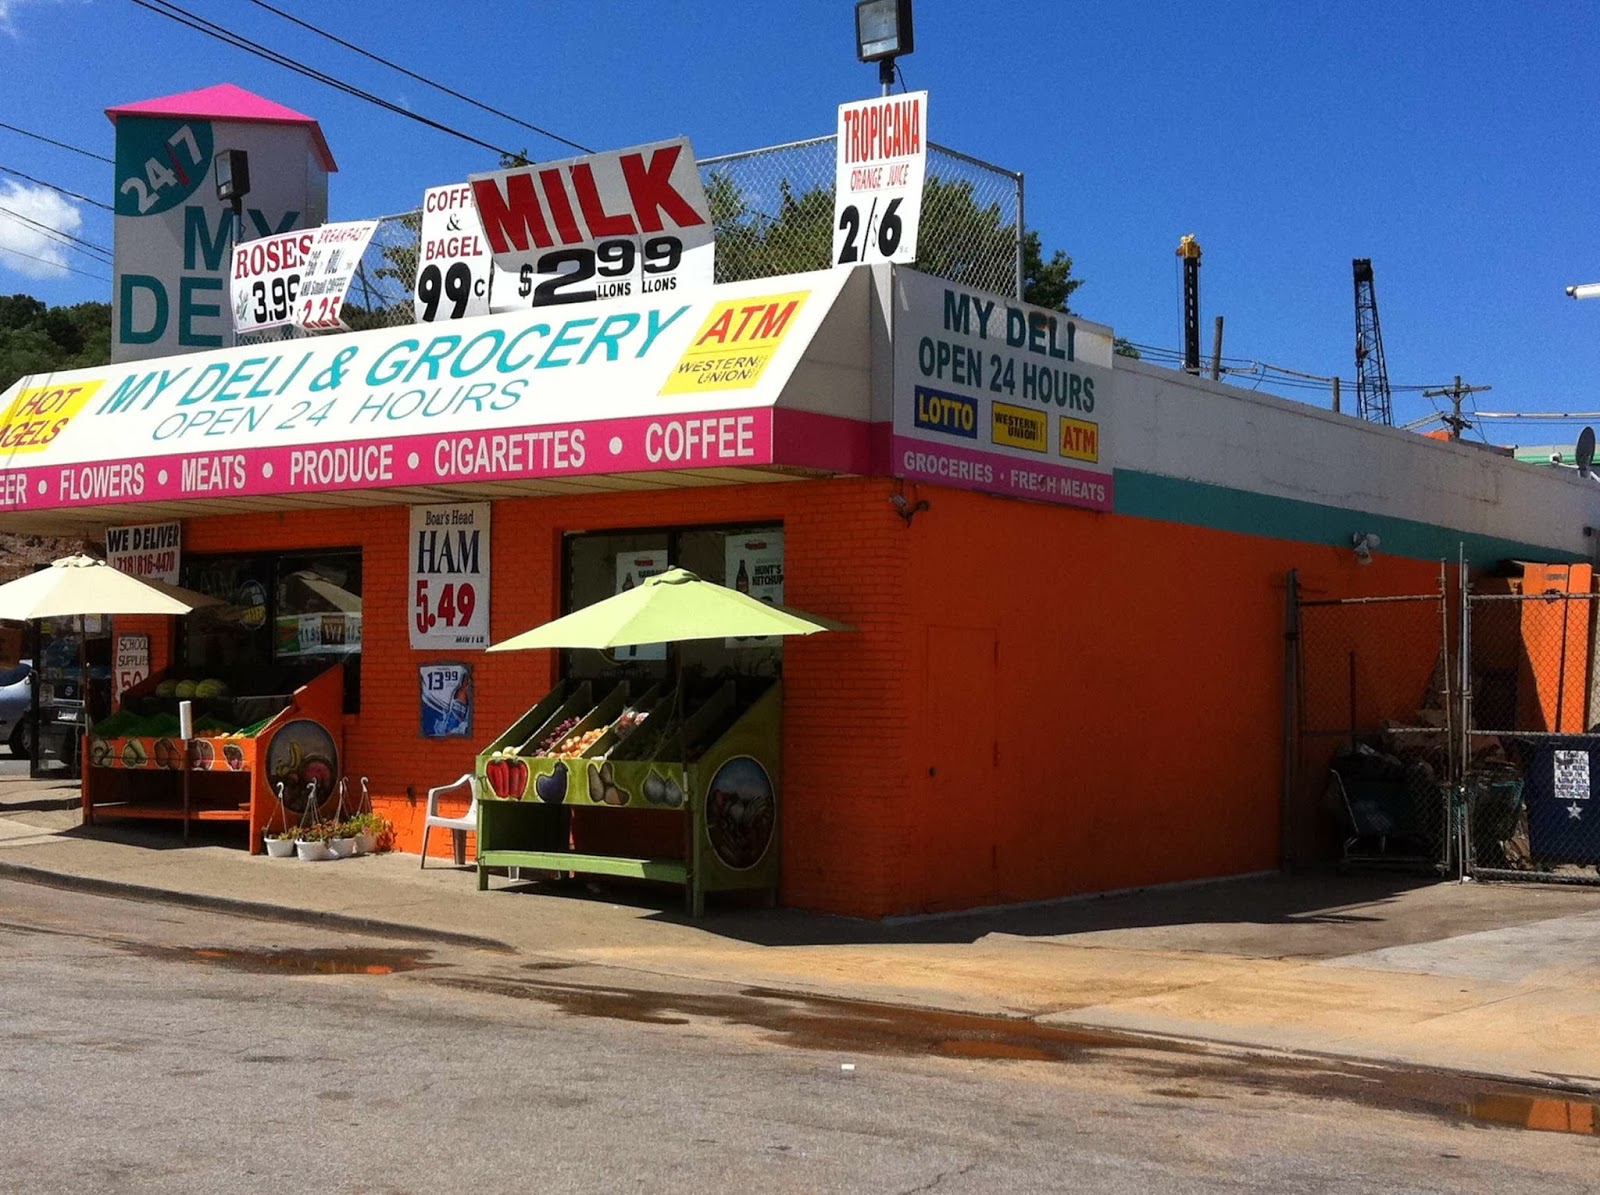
1176, 1070
1547, 1114
331, 961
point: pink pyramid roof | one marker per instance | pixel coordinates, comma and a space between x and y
225, 101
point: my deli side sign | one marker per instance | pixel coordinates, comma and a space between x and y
626, 224
582, 389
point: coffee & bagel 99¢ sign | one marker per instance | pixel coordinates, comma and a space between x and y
882, 156
626, 224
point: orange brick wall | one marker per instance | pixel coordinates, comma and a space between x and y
846, 558
1122, 728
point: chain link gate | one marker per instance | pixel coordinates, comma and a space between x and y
1532, 701
773, 211
1374, 750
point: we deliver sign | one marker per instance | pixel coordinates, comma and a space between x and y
619, 225
149, 551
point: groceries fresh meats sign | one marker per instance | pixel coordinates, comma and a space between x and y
610, 387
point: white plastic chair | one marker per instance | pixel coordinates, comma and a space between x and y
458, 826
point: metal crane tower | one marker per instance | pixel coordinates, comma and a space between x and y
1189, 250
1372, 373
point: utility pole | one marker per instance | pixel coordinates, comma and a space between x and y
1455, 394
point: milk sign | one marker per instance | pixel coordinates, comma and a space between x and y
450, 576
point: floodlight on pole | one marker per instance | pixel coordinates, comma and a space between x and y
1587, 290
883, 33
231, 168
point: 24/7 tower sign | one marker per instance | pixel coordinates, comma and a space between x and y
618, 225
877, 195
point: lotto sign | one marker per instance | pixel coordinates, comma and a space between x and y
450, 576
297, 278
882, 154
455, 266
618, 225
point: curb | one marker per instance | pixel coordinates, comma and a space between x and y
256, 910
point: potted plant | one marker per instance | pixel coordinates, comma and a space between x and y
311, 844
280, 843
342, 839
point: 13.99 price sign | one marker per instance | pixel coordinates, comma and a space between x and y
882, 154
449, 595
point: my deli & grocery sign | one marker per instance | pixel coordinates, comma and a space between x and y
580, 389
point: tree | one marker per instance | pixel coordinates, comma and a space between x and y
35, 338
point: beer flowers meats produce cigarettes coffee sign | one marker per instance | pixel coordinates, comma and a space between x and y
629, 224
659, 382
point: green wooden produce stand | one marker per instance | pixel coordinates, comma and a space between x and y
715, 766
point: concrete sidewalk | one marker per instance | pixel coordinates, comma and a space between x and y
1494, 979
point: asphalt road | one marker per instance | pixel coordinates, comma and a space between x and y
150, 1048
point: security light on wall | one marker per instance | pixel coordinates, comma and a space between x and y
1365, 544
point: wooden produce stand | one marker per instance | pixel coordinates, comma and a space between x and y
220, 775
713, 768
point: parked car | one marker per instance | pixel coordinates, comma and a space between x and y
16, 708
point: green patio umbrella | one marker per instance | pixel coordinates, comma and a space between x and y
667, 608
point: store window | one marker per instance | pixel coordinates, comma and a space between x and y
749, 558
288, 616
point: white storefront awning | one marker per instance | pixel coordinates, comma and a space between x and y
750, 381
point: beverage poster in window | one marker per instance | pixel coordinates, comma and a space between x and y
632, 568
755, 568
318, 610
449, 594
446, 700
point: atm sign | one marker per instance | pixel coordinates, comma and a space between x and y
948, 414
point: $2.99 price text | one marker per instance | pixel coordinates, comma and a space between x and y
452, 604
613, 263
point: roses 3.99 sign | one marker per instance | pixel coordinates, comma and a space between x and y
299, 278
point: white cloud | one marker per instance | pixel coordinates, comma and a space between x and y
42, 206
9, 8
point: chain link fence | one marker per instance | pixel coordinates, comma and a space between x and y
773, 211
1374, 759
1533, 702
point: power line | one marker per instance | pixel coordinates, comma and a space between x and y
173, 12
58, 144
39, 182
54, 264
410, 74
99, 252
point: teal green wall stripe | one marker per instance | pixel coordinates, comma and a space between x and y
1173, 500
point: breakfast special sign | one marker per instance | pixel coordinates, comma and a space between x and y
679, 382
1000, 396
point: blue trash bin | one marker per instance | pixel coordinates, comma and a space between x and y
1563, 812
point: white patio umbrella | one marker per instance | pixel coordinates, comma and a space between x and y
79, 585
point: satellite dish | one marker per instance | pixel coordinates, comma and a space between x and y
1585, 454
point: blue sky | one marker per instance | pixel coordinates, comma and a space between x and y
1454, 144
